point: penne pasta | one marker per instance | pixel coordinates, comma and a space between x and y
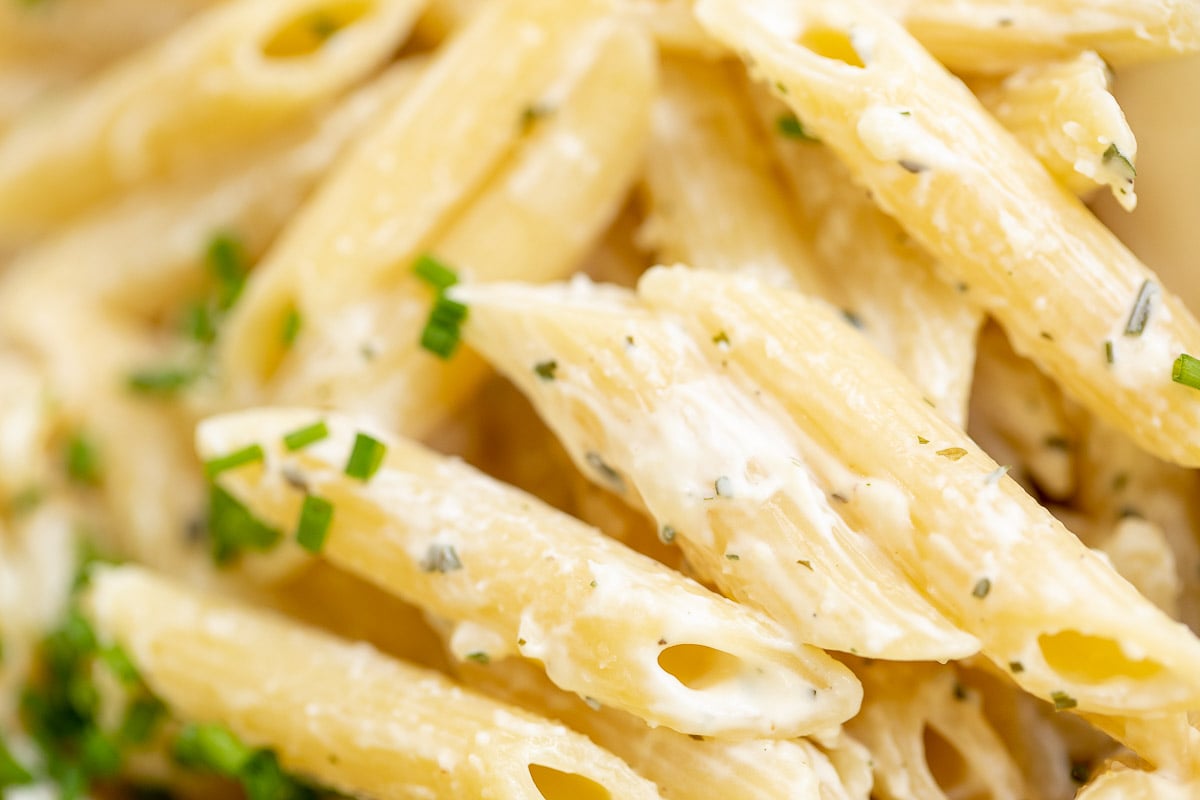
1063, 112
606, 623
683, 767
557, 181
999, 36
255, 65
885, 283
712, 200
992, 559
394, 731
1068, 294
721, 469
1120, 782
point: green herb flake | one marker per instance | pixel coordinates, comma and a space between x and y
804, 563
292, 324
666, 534
199, 323
213, 748
366, 457
443, 329
789, 126
1016, 667
1063, 701
532, 114
119, 663
982, 587
429, 269
1186, 371
316, 515
247, 455
733, 556
441, 558
12, 773
1113, 157
546, 369
161, 381
479, 657
83, 461
952, 453
226, 261
922, 440
303, 437
596, 462
1109, 355
1142, 305
721, 339
141, 719
233, 529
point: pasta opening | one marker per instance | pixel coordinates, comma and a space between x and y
949, 768
698, 667
307, 33
557, 785
832, 44
1091, 659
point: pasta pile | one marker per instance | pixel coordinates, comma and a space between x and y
592, 399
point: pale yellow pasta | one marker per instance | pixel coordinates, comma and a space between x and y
142, 257
673, 25
928, 737
683, 767
1018, 416
606, 623
1120, 782
1003, 35
1063, 112
391, 731
876, 273
723, 471
520, 193
1062, 286
1059, 618
225, 77
713, 201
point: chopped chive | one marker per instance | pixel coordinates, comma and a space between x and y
12, 773
479, 657
441, 558
854, 319
119, 663
952, 453
922, 440
442, 330
1063, 701
233, 529
226, 260
292, 323
733, 556
199, 323
721, 338
316, 515
429, 269
141, 718
1140, 314
982, 587
365, 458
83, 461
546, 369
1016, 667
162, 381
247, 455
1186, 371
211, 747
789, 125
1108, 351
804, 562
303, 437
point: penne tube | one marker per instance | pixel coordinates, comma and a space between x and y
1064, 113
673, 26
1065, 625
342, 713
997, 36
227, 77
1069, 295
928, 737
722, 470
683, 767
713, 201
884, 282
143, 257
605, 622
1122, 782
509, 198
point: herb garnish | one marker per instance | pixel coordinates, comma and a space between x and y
546, 369
366, 457
1186, 371
247, 455
303, 437
789, 126
1140, 314
316, 515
